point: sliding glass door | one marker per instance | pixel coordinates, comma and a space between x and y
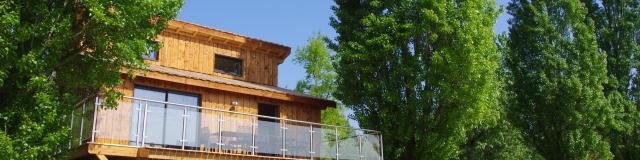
167, 125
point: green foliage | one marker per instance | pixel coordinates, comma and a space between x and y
502, 140
57, 54
320, 78
425, 74
571, 85
617, 25
316, 60
320, 82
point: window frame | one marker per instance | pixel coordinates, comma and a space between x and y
147, 56
215, 69
165, 106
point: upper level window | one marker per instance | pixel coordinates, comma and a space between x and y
228, 65
152, 54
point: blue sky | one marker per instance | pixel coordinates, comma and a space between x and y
287, 22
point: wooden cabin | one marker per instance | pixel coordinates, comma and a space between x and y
211, 94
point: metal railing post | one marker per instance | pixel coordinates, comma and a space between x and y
184, 127
220, 133
71, 129
253, 136
360, 145
283, 129
381, 147
311, 152
95, 116
144, 122
138, 123
337, 144
82, 122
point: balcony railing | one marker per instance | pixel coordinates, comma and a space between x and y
154, 124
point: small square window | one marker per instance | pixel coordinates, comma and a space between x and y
228, 65
152, 54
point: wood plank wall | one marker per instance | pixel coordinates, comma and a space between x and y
185, 52
222, 99
115, 124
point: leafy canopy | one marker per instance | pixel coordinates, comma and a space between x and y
572, 95
56, 54
315, 57
423, 72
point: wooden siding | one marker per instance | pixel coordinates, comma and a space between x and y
222, 99
186, 52
114, 126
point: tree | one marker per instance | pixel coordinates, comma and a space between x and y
617, 26
56, 54
502, 140
423, 72
558, 78
320, 78
320, 82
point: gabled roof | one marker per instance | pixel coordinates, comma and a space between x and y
211, 34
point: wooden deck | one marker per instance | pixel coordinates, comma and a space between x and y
108, 151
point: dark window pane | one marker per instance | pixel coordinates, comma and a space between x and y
267, 110
228, 65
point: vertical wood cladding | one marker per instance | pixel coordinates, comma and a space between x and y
185, 52
117, 123
222, 99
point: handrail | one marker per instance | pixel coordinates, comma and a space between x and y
354, 145
249, 114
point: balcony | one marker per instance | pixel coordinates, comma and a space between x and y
161, 130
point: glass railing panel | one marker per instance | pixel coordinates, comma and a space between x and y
297, 141
209, 131
82, 121
193, 128
192, 125
76, 119
326, 137
269, 137
113, 124
172, 129
237, 133
349, 147
371, 148
154, 127
86, 124
137, 117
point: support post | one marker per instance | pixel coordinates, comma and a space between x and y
184, 127
253, 136
138, 123
337, 144
82, 122
144, 123
283, 128
95, 116
381, 147
220, 133
360, 145
71, 129
311, 152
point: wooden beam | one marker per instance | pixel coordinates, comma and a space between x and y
102, 157
170, 153
121, 151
